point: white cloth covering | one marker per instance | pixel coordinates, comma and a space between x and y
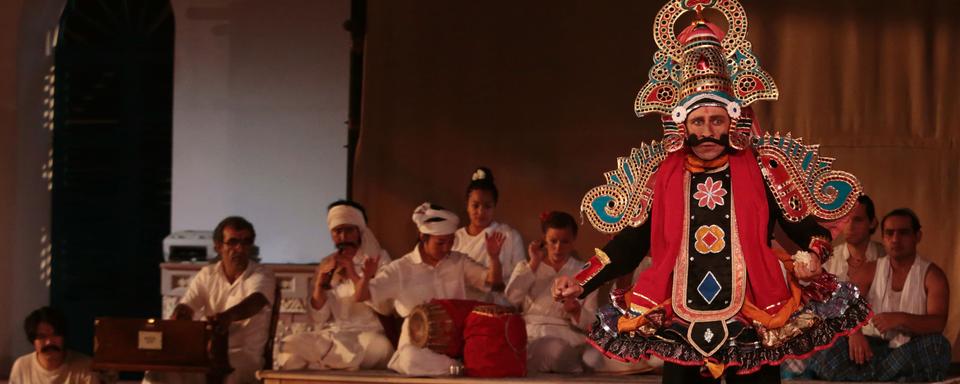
409, 282
512, 253
210, 293
75, 369
431, 221
837, 264
348, 335
912, 299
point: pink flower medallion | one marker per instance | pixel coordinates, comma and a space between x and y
710, 193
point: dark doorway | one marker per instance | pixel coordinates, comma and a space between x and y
112, 145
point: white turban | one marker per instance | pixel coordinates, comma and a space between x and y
345, 214
431, 221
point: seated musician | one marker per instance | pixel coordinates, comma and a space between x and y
234, 294
910, 299
555, 331
349, 335
430, 271
50, 362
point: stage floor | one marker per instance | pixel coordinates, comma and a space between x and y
380, 377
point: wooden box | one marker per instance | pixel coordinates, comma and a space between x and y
125, 344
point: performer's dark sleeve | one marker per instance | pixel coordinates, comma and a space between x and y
623, 255
806, 234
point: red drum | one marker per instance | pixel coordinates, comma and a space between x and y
495, 343
438, 325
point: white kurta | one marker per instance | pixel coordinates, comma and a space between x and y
837, 264
210, 293
555, 340
409, 282
75, 369
512, 253
348, 335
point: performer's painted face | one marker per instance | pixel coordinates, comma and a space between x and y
708, 127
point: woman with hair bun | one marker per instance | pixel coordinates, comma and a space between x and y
483, 238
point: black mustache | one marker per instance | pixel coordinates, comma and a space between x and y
51, 348
693, 140
345, 244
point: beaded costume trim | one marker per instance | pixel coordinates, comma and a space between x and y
800, 180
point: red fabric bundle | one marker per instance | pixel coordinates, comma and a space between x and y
458, 310
495, 343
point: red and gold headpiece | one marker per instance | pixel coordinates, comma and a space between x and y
703, 66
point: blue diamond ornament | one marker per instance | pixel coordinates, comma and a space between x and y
709, 288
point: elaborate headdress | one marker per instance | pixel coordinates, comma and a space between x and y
703, 66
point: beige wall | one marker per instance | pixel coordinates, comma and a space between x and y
259, 105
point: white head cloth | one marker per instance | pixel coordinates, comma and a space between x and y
345, 214
432, 221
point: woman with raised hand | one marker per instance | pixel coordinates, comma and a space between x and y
483, 238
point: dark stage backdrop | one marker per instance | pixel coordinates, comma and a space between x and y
542, 93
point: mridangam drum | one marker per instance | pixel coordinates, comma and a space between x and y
438, 325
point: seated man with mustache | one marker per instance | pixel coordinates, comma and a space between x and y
347, 333
50, 362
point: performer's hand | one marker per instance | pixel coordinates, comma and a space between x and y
370, 265
807, 268
565, 287
860, 351
494, 243
535, 250
888, 321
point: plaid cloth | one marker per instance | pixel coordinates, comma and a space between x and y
924, 358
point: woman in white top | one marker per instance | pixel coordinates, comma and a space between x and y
555, 331
483, 237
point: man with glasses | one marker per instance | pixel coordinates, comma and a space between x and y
234, 294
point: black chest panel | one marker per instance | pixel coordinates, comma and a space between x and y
709, 280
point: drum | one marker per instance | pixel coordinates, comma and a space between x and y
438, 325
495, 342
